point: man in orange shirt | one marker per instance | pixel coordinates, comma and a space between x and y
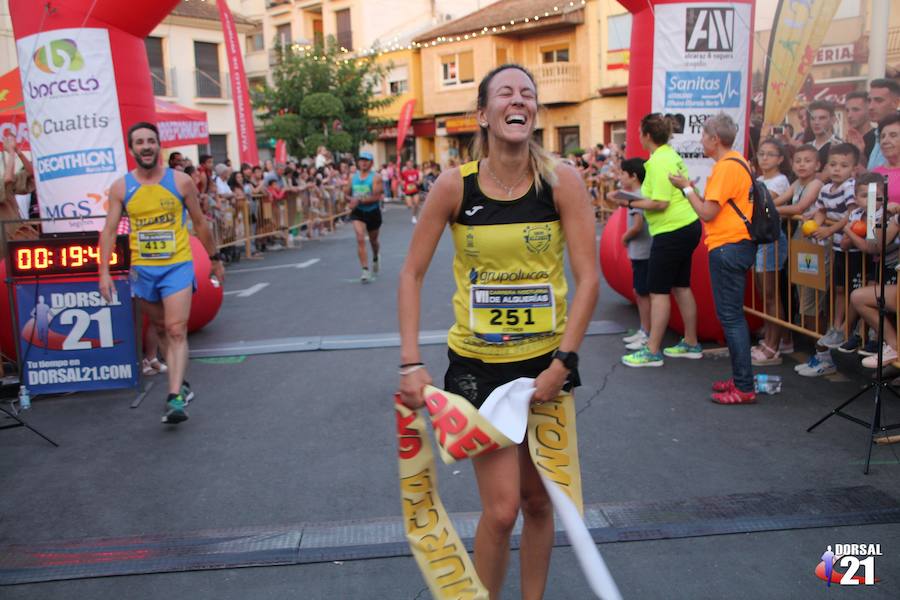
731, 251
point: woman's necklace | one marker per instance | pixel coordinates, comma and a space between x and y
508, 188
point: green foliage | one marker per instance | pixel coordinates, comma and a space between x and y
318, 97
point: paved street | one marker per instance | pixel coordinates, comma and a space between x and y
307, 437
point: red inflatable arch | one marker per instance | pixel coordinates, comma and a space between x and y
128, 24
613, 257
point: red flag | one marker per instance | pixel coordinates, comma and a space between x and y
280, 151
243, 115
403, 124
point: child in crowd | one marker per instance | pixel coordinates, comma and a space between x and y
637, 239
835, 202
770, 258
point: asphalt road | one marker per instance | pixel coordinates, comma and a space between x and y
308, 437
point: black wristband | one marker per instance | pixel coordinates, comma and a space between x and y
412, 364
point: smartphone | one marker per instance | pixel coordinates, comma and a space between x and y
778, 130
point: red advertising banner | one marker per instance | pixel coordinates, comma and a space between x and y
403, 123
243, 115
281, 154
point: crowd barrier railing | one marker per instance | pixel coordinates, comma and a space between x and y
801, 296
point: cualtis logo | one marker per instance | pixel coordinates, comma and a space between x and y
59, 55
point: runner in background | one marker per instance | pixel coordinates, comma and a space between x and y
410, 178
158, 201
365, 190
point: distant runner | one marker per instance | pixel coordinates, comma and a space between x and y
365, 190
158, 200
410, 178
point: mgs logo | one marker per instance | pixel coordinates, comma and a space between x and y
167, 204
58, 55
537, 238
709, 30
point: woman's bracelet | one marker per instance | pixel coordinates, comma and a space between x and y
411, 364
412, 368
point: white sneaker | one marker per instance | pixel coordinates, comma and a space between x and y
414, 220
817, 368
634, 336
832, 338
636, 344
889, 355
365, 277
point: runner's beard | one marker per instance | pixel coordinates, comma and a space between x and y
147, 161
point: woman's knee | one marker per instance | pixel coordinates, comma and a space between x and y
536, 504
501, 516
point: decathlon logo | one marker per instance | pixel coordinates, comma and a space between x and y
79, 162
709, 30
58, 55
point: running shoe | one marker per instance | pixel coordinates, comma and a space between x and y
869, 349
851, 345
186, 392
414, 220
640, 333
888, 355
643, 358
832, 338
637, 344
159, 365
175, 412
376, 262
684, 350
146, 369
365, 277
734, 396
818, 368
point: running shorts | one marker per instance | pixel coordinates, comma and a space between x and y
155, 283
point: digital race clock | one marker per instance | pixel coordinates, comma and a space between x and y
64, 256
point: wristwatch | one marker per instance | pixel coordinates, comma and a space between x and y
568, 359
687, 190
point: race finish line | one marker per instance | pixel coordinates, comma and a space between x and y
307, 543
350, 342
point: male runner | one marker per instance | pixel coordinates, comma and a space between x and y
158, 201
409, 180
365, 190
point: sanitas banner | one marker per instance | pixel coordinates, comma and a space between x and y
701, 58
75, 132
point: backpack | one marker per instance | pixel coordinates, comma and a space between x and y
764, 225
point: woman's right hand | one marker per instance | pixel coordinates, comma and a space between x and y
412, 388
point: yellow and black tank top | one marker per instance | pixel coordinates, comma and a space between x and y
159, 234
510, 300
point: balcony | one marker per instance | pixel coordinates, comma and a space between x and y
163, 82
212, 85
557, 83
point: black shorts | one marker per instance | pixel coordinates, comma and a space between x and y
841, 272
474, 379
372, 218
639, 276
671, 254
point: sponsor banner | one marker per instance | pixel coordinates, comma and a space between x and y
183, 133
243, 115
71, 340
77, 151
461, 431
701, 58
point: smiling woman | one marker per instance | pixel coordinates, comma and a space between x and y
511, 212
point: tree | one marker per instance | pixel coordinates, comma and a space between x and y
319, 97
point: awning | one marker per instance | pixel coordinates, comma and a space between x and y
178, 125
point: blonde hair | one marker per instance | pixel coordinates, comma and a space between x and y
542, 163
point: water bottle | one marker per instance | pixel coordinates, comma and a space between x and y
24, 398
767, 384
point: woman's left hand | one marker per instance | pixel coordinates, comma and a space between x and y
679, 181
549, 383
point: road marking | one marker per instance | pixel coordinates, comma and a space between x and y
248, 292
300, 265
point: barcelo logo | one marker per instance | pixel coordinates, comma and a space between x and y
59, 55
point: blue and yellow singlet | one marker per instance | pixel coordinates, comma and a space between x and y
159, 234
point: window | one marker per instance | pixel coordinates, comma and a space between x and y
555, 54
217, 147
283, 34
208, 76
569, 139
618, 32
375, 83
318, 33
255, 42
458, 68
157, 65
398, 80
344, 29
